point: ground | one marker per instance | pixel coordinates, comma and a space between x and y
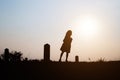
34, 70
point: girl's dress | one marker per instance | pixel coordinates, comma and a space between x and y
66, 46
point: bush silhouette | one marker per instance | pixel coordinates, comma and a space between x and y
11, 57
15, 56
101, 60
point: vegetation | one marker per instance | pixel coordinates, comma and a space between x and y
14, 67
101, 60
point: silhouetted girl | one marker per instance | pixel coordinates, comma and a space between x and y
66, 46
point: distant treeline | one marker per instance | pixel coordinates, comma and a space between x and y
13, 56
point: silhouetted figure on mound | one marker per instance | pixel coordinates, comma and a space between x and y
66, 46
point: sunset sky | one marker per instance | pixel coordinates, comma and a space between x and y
26, 25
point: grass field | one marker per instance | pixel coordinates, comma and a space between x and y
33, 70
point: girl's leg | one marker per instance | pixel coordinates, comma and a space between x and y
61, 56
67, 56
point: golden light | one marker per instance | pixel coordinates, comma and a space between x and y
86, 36
89, 27
86, 26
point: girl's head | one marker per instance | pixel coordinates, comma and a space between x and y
69, 33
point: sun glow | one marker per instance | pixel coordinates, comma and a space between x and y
86, 26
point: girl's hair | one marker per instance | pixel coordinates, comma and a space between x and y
68, 34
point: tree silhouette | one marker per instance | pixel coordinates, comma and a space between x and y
15, 56
11, 57
6, 55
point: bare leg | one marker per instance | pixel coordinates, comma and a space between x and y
61, 56
67, 56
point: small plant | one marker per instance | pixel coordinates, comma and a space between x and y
101, 60
89, 59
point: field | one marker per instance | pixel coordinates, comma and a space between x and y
35, 70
